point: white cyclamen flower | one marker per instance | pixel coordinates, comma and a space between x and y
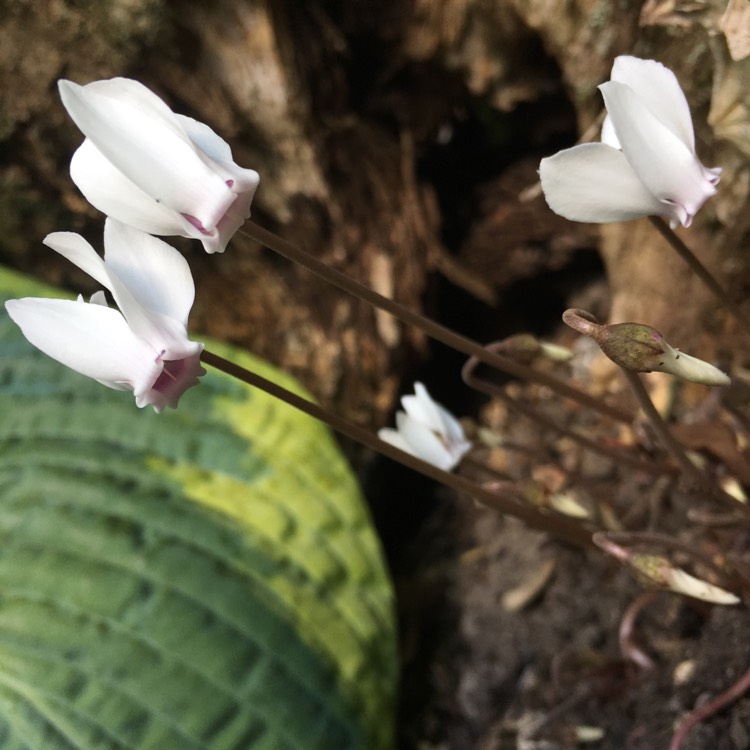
143, 346
428, 431
646, 163
155, 170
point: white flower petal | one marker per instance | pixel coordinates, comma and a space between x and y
165, 333
665, 165
428, 430
659, 89
125, 89
142, 138
73, 247
157, 275
452, 430
91, 339
108, 190
609, 137
237, 214
215, 148
219, 155
421, 408
424, 443
205, 138
595, 183
396, 439
146, 299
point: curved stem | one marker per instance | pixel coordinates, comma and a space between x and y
430, 327
701, 272
662, 430
629, 649
557, 526
583, 322
674, 447
722, 700
484, 386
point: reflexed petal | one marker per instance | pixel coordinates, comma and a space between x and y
664, 164
166, 334
107, 189
424, 443
396, 439
608, 133
424, 409
73, 247
142, 138
122, 89
219, 154
157, 275
91, 339
594, 182
143, 284
421, 408
659, 89
452, 430
205, 138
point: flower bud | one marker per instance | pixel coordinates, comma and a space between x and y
640, 348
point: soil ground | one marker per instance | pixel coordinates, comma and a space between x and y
510, 639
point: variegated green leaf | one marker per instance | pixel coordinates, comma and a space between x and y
204, 578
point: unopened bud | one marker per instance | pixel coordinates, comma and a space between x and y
525, 348
660, 572
640, 348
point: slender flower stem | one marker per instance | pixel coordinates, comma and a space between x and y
484, 386
722, 700
431, 328
701, 271
555, 525
675, 449
629, 649
662, 430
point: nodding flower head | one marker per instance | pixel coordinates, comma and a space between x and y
143, 346
645, 164
155, 170
427, 430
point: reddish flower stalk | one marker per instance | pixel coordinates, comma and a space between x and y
722, 700
558, 526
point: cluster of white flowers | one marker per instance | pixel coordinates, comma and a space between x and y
151, 172
154, 172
